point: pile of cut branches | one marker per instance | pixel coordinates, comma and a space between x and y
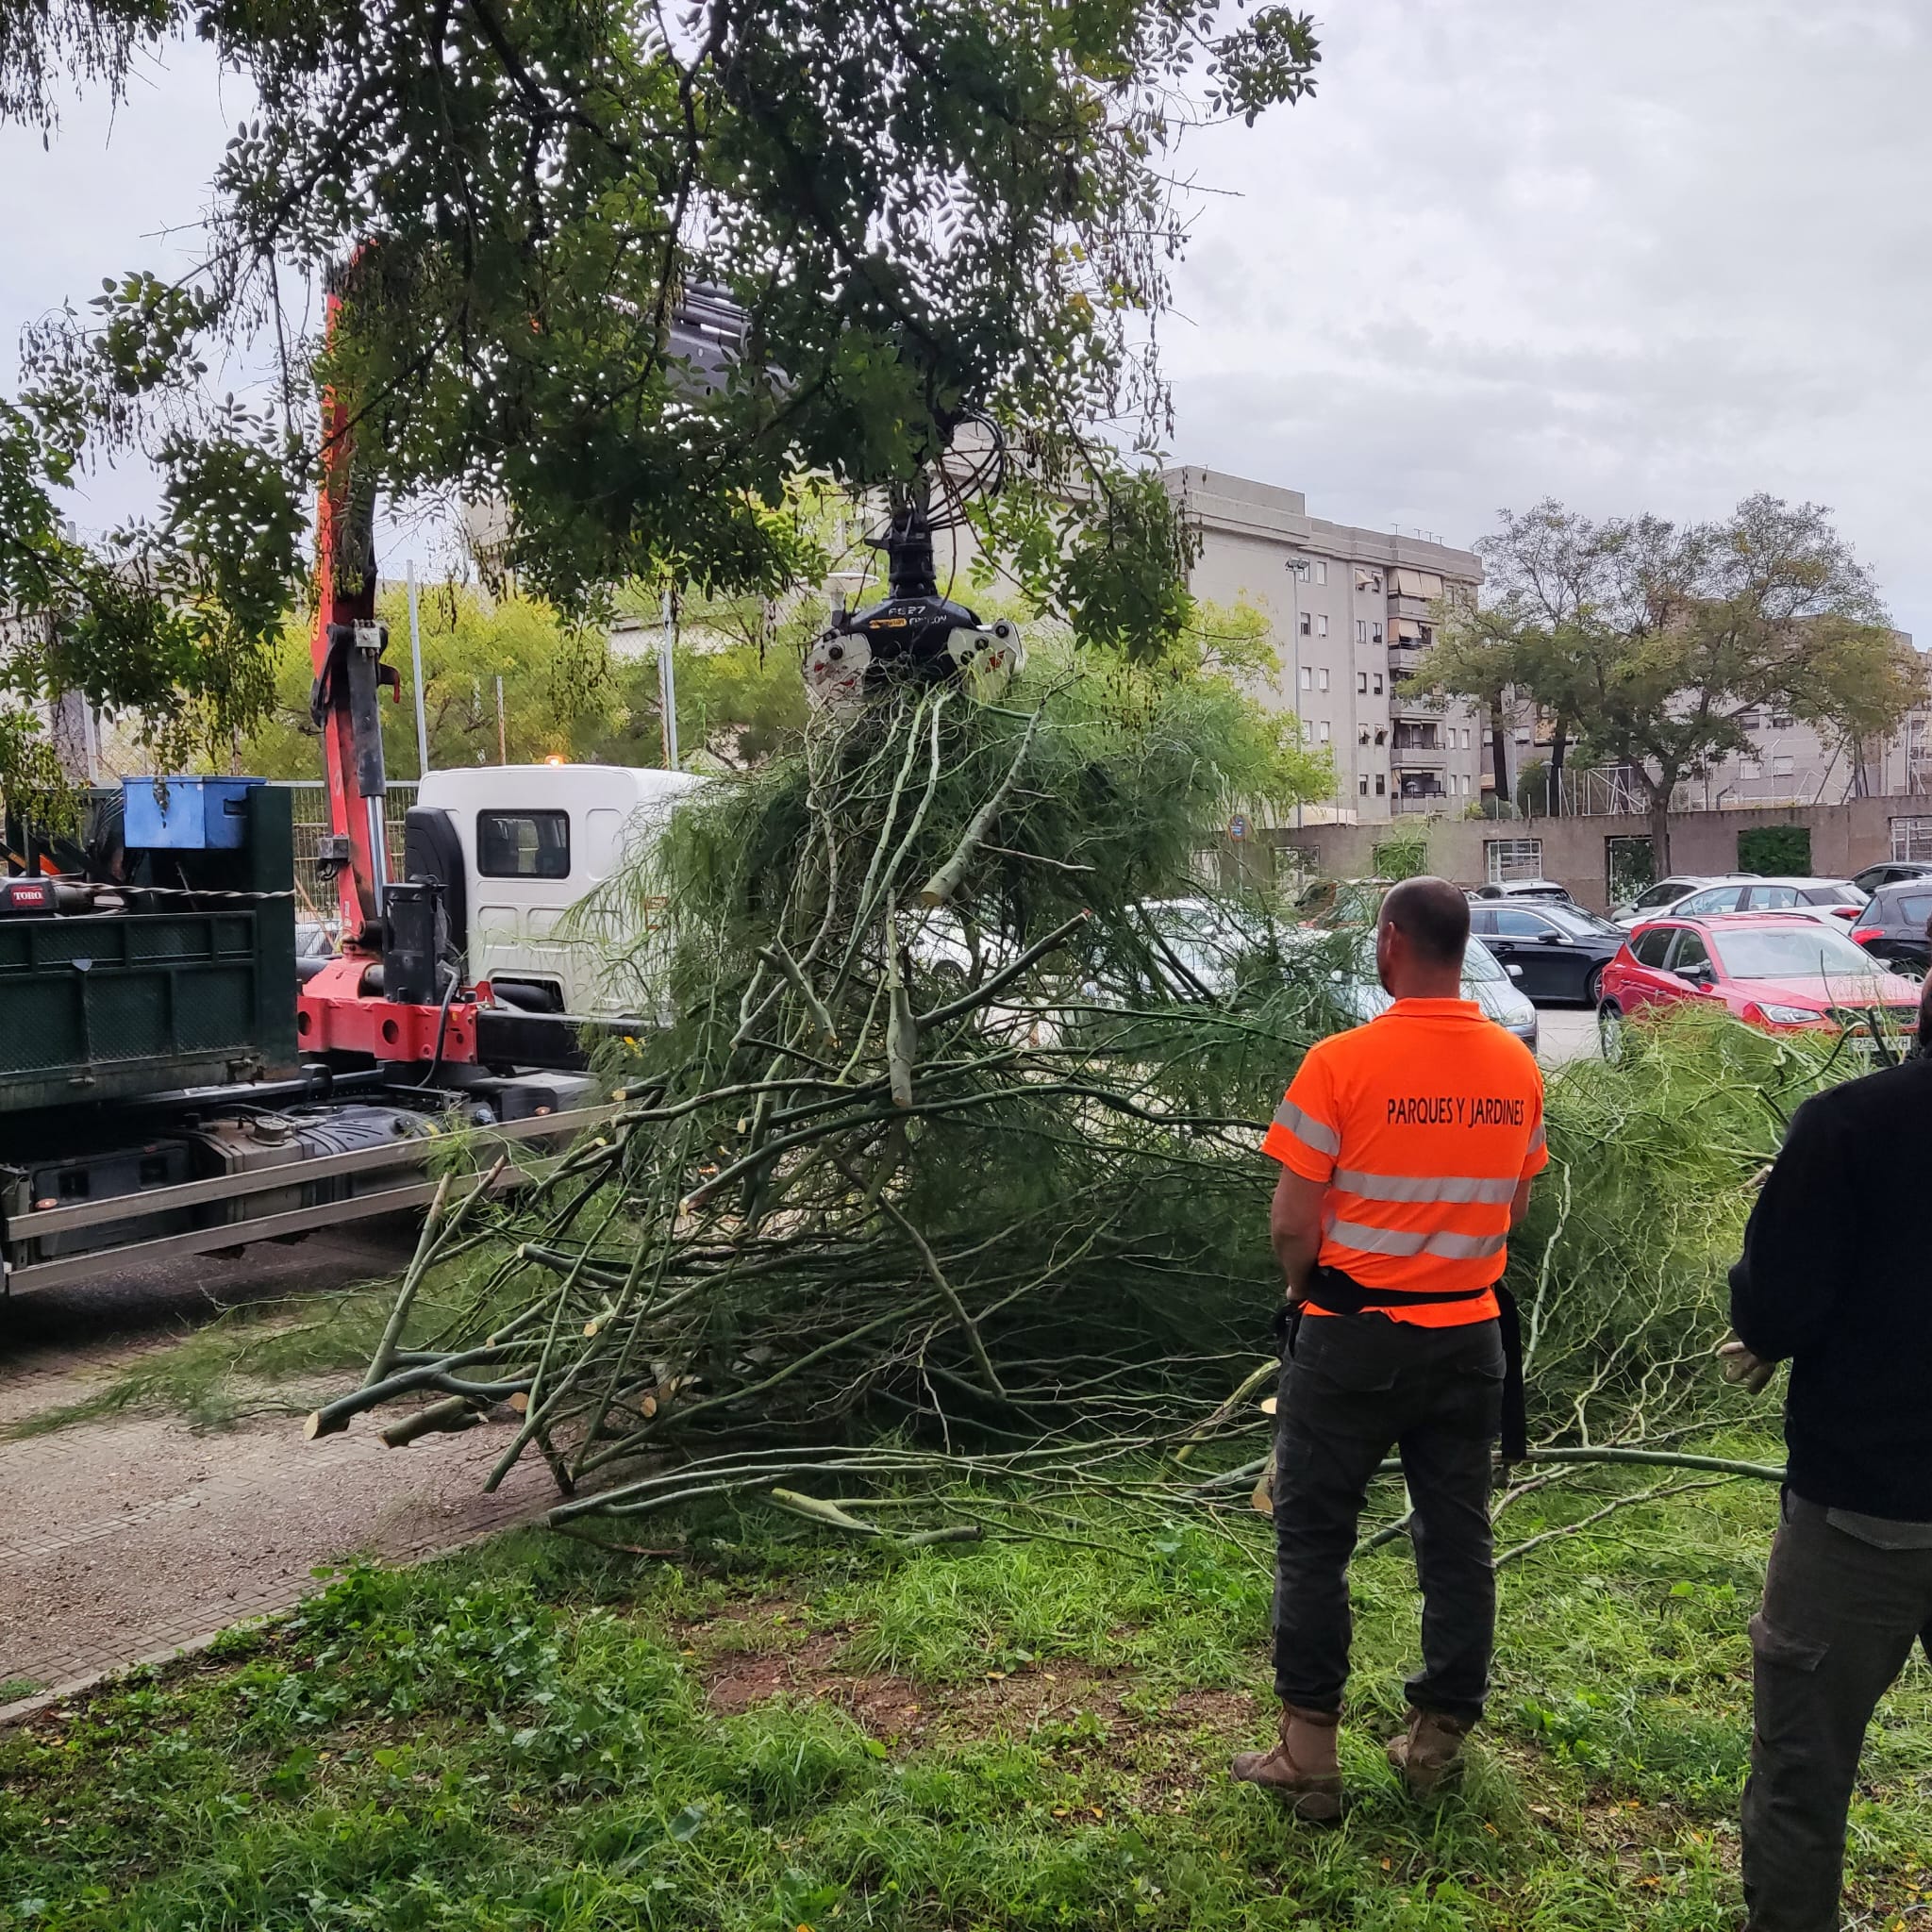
940, 1182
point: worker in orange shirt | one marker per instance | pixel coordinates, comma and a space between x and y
1406, 1148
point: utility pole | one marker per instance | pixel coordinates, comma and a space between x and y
667, 683
416, 671
502, 734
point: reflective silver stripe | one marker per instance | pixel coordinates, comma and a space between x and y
1408, 1187
1538, 1139
1306, 1127
1403, 1240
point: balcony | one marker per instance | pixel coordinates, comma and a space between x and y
1402, 659
1418, 758
1419, 801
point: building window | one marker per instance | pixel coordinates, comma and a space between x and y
1307, 677
1465, 740
1751, 720
1783, 765
1324, 683
1321, 570
1361, 630
1321, 626
1374, 633
1362, 785
1381, 785
1512, 858
1782, 721
1323, 733
1378, 684
1361, 683
1298, 570
1912, 838
1307, 624
1368, 581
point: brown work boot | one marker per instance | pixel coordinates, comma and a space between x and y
1302, 1768
1429, 1750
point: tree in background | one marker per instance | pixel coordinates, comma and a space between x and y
567, 692
968, 209
1649, 642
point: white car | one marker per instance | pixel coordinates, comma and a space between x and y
1831, 902
1667, 894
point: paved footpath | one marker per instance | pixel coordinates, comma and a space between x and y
129, 1538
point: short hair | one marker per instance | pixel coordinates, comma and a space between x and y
1433, 916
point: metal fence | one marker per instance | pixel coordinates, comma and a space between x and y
318, 898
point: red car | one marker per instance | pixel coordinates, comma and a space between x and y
1780, 974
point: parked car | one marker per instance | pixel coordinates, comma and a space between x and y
1891, 872
1209, 940
315, 946
1524, 889
1655, 901
1779, 971
1826, 899
1562, 950
1361, 997
1895, 925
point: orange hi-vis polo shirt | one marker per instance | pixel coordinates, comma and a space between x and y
1423, 1124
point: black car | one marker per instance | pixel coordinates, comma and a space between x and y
1561, 949
1891, 872
1893, 926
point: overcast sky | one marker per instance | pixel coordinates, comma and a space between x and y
1634, 254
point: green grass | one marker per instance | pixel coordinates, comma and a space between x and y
996, 1737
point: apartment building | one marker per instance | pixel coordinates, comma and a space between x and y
1791, 762
1351, 610
1788, 762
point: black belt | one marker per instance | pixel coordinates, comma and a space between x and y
1342, 1294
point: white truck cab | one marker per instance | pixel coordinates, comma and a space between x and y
534, 841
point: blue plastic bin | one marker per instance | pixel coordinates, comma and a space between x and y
196, 814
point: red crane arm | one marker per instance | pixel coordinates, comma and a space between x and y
346, 652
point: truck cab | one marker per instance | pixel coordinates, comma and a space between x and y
530, 842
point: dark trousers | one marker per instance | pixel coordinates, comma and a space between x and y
1839, 1621
1356, 1387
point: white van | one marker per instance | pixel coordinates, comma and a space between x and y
534, 840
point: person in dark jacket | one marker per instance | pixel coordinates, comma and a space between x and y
1837, 1280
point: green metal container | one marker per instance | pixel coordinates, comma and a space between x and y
195, 991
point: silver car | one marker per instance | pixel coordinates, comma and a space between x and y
1206, 939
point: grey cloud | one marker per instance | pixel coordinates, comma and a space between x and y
1642, 256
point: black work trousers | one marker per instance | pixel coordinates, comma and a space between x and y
1356, 1387
1839, 1621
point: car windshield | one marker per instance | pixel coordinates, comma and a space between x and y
1576, 922
1790, 954
1480, 967
1479, 963
1835, 895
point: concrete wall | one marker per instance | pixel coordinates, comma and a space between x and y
1844, 838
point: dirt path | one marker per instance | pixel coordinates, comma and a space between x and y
128, 1539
